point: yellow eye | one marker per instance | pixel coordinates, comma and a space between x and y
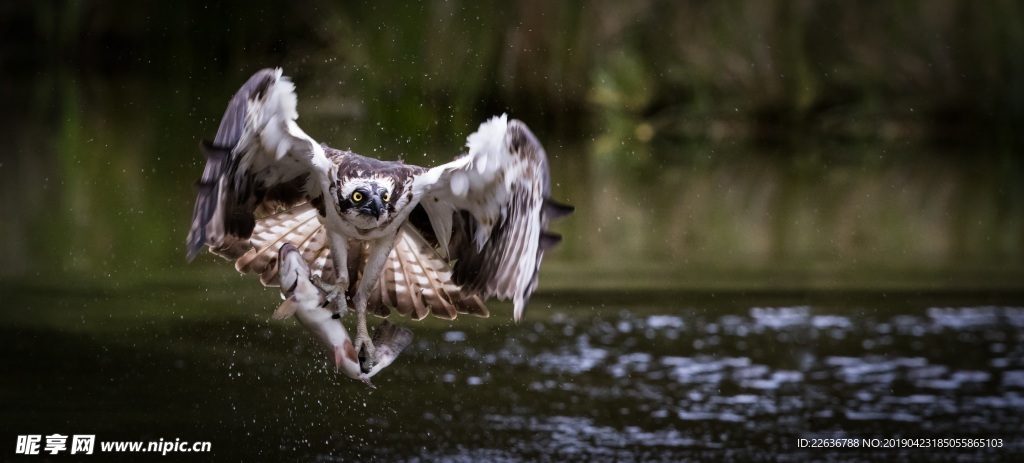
357, 196
387, 196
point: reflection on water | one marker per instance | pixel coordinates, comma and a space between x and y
704, 376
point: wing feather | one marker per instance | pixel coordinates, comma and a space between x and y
384, 296
489, 211
260, 160
297, 226
411, 287
417, 281
391, 284
426, 264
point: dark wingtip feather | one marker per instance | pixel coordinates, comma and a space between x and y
548, 240
212, 151
195, 244
206, 198
472, 305
234, 120
555, 210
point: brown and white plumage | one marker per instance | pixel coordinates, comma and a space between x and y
423, 241
416, 281
490, 210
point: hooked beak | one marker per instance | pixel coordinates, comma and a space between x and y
373, 207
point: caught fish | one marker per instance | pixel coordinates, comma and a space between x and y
310, 307
390, 340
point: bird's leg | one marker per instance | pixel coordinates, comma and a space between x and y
336, 291
333, 293
378, 255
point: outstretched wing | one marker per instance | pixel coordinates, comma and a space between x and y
489, 211
259, 160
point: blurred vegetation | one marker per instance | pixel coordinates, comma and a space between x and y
649, 69
760, 136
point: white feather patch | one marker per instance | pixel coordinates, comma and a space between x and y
487, 139
459, 184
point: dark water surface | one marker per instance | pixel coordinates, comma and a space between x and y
672, 376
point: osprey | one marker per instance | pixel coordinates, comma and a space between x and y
375, 234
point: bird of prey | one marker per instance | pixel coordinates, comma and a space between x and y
376, 234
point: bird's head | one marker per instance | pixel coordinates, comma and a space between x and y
367, 203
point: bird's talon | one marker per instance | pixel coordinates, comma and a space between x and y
367, 352
334, 296
340, 310
330, 288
